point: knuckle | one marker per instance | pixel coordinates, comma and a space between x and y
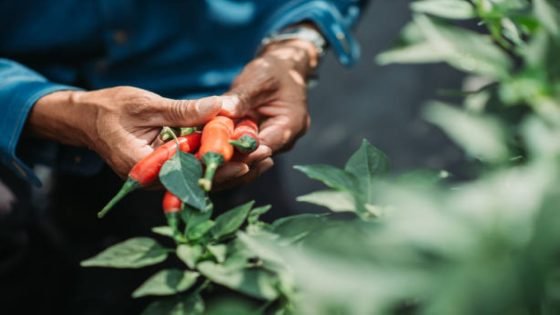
177, 110
140, 104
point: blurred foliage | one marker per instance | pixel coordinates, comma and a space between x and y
486, 246
411, 244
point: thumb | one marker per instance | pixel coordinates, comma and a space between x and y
186, 113
235, 106
240, 101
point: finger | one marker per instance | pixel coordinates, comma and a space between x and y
246, 96
280, 133
123, 160
275, 135
234, 107
261, 153
187, 113
230, 170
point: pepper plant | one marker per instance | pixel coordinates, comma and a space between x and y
215, 251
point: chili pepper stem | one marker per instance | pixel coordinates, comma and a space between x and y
168, 133
212, 161
128, 186
187, 131
245, 144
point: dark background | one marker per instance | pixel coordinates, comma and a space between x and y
380, 103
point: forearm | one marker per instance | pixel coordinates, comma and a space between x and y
60, 117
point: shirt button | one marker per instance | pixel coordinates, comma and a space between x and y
120, 37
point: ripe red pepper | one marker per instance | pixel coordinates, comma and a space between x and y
215, 148
171, 203
245, 136
146, 171
172, 206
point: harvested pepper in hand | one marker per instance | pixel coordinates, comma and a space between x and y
146, 171
215, 148
245, 136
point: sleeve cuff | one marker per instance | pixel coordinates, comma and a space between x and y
328, 18
18, 99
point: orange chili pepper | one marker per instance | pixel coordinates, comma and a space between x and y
215, 148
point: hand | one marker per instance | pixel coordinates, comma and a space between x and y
121, 124
271, 89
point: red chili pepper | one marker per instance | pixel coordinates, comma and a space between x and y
172, 206
171, 203
146, 171
215, 148
245, 136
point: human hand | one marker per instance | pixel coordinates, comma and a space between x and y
272, 90
121, 124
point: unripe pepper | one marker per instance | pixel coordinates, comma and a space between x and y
245, 136
215, 148
147, 170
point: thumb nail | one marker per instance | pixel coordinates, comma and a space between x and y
208, 106
230, 103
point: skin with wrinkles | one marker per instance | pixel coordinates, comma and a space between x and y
122, 124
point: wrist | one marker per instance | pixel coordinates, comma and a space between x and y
60, 117
300, 55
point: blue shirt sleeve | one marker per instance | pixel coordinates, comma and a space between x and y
334, 18
20, 88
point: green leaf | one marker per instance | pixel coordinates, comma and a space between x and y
229, 222
465, 50
452, 9
178, 305
257, 283
200, 230
256, 213
481, 136
219, 252
189, 254
163, 230
167, 282
331, 176
297, 227
416, 53
336, 201
548, 16
133, 253
366, 165
193, 217
180, 176
233, 306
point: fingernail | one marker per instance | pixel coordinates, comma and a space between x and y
229, 103
236, 170
208, 106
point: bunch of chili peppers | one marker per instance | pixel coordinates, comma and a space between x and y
214, 146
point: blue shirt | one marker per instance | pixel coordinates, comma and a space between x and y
176, 48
